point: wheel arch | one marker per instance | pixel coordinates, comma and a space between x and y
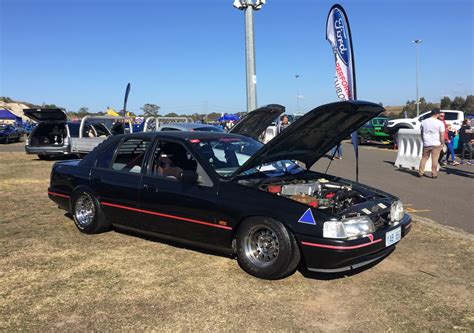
256, 217
82, 187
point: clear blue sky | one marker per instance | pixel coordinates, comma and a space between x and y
188, 56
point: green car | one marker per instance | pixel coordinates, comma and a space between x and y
372, 131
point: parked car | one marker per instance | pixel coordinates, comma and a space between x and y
231, 193
373, 131
190, 127
11, 133
452, 117
54, 135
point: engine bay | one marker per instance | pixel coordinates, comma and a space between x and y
320, 194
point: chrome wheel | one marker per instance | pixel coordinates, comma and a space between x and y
261, 246
84, 210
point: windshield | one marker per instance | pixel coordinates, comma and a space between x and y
274, 169
379, 122
226, 154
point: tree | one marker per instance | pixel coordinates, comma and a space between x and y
172, 114
49, 106
150, 110
469, 105
458, 103
82, 112
445, 103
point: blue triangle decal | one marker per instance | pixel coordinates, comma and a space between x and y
307, 217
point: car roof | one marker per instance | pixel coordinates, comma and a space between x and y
187, 125
182, 135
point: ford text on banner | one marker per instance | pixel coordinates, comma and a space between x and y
338, 35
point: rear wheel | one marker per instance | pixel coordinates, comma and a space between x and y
266, 249
87, 213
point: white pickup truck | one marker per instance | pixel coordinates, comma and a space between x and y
56, 136
452, 117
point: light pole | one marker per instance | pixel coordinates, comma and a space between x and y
417, 43
297, 94
248, 6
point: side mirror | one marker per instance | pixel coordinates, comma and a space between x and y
188, 177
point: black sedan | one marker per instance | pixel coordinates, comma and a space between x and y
231, 193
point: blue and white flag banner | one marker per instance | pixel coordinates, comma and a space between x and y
338, 35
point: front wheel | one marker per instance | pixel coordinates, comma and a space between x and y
266, 249
87, 213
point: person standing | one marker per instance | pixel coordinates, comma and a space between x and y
445, 142
466, 140
284, 123
451, 131
432, 135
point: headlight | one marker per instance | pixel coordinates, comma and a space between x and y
396, 211
348, 228
390, 123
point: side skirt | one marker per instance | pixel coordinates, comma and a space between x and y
192, 244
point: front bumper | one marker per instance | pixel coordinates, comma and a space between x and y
331, 255
48, 150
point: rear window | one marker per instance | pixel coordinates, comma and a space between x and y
209, 129
130, 155
105, 157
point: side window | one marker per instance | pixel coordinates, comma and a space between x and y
170, 158
74, 130
169, 129
101, 130
450, 116
130, 155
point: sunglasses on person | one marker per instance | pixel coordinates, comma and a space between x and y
441, 115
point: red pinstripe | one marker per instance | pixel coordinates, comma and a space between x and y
59, 194
166, 215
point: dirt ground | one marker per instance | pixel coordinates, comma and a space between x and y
54, 278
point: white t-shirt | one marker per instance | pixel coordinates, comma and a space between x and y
431, 129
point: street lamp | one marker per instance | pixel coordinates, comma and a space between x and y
249, 6
417, 42
297, 93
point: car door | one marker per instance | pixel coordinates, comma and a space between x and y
175, 208
116, 179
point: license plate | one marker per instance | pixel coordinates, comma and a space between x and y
393, 236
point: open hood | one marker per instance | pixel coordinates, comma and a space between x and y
255, 122
40, 115
311, 136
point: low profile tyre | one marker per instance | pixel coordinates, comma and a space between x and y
87, 213
43, 157
266, 249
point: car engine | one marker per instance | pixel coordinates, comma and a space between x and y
319, 194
